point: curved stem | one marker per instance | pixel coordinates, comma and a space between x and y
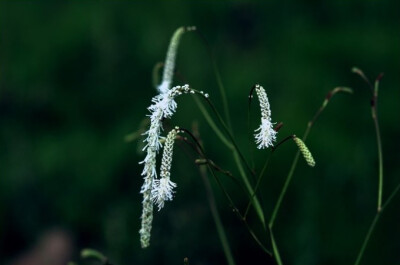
391, 196
212, 124
240, 215
294, 164
373, 224
216, 217
227, 131
296, 158
288, 180
380, 159
201, 152
277, 256
257, 186
250, 131
256, 238
367, 237
374, 90
156, 74
378, 141
218, 77
239, 159
210, 196
263, 171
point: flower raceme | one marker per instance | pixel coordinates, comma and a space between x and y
304, 151
170, 59
164, 106
163, 188
265, 134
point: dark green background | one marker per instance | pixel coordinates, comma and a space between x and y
75, 78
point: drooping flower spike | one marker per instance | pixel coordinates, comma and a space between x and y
304, 151
164, 106
265, 134
170, 59
163, 187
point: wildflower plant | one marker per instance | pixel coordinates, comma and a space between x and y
304, 151
266, 134
163, 187
163, 107
157, 189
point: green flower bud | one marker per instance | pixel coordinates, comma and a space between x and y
304, 151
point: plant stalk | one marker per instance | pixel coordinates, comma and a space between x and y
216, 217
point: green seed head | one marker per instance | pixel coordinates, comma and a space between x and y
170, 59
304, 151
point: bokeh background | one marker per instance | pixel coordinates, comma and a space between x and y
75, 78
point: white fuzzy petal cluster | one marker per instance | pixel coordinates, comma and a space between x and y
163, 188
163, 191
265, 134
164, 106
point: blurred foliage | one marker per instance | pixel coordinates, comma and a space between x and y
75, 78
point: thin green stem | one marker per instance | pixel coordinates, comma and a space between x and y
216, 217
203, 154
367, 237
380, 208
296, 158
374, 90
277, 256
380, 158
391, 196
264, 168
228, 129
218, 77
263, 171
239, 214
373, 224
199, 149
205, 161
257, 185
210, 197
250, 133
212, 124
288, 180
256, 238
223, 94
238, 157
294, 164
253, 198
283, 191
156, 74
379, 143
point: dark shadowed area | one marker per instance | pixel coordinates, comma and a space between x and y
76, 78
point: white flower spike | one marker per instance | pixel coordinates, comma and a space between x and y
170, 59
164, 106
163, 187
265, 134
